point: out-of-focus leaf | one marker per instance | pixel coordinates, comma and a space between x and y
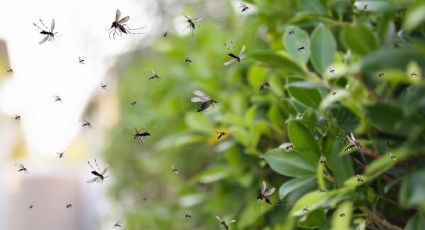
305, 92
323, 48
303, 141
314, 6
295, 38
275, 60
359, 39
295, 184
416, 222
342, 216
394, 120
413, 189
199, 122
313, 219
391, 59
415, 16
289, 163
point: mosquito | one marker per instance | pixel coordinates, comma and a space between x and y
188, 214
58, 99
235, 58
21, 167
69, 206
301, 48
9, 70
117, 225
264, 86
224, 223
322, 190
412, 74
152, 75
85, 123
103, 86
393, 157
380, 74
187, 59
306, 209
192, 23
60, 154
265, 193
140, 136
220, 134
354, 143
99, 175
359, 178
291, 32
333, 93
81, 60
31, 206
48, 32
176, 171
243, 7
322, 160
331, 70
202, 97
17, 117
118, 26
133, 103
165, 34
342, 215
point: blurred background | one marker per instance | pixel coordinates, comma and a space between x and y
141, 189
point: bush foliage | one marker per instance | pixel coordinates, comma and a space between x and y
360, 72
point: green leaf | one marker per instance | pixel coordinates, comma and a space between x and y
303, 141
305, 92
416, 222
276, 60
412, 190
342, 222
323, 48
359, 39
313, 219
391, 59
293, 39
415, 16
295, 184
314, 6
394, 120
289, 163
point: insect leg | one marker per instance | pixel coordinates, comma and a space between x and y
47, 29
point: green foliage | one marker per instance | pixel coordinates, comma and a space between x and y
361, 72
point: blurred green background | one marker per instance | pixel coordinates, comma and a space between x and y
316, 98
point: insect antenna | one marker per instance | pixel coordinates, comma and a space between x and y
47, 29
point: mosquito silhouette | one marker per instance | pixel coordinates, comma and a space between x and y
224, 223
117, 225
264, 86
9, 70
354, 143
119, 26
85, 123
133, 103
192, 23
359, 178
99, 175
82, 60
31, 206
202, 97
265, 193
175, 170
58, 99
103, 86
60, 154
188, 60
235, 58
220, 134
188, 214
21, 167
140, 136
152, 75
17, 117
69, 206
50, 35
243, 7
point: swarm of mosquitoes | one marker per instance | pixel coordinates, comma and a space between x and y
118, 28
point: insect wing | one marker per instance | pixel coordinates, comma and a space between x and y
199, 93
94, 179
218, 218
269, 191
199, 99
44, 40
52, 26
124, 19
105, 170
230, 62
263, 186
117, 15
242, 53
